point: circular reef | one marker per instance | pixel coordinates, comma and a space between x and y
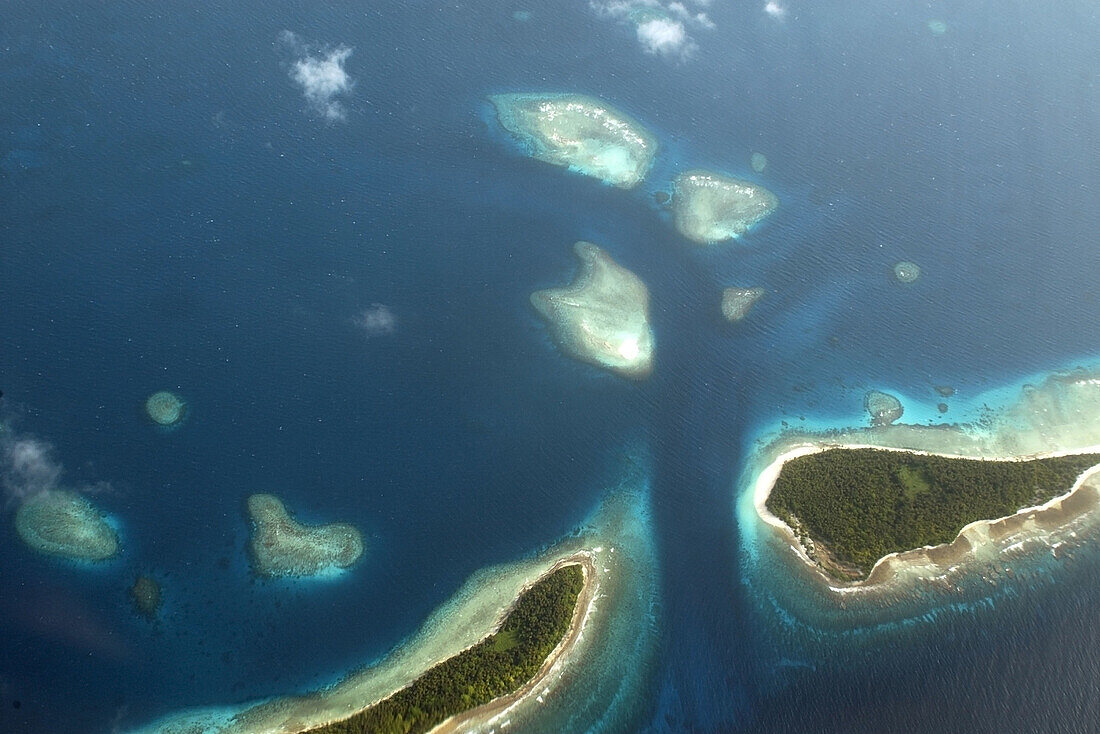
906, 272
165, 408
63, 523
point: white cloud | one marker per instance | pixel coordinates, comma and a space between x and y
662, 36
663, 28
377, 320
775, 10
28, 467
700, 19
321, 76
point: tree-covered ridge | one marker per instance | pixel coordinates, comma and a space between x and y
858, 505
498, 665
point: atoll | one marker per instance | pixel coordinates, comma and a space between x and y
280, 546
165, 408
709, 208
581, 133
63, 523
883, 408
602, 317
145, 594
737, 302
759, 162
906, 272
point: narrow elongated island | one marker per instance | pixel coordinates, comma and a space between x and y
852, 506
499, 665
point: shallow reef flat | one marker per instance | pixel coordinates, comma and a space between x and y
582, 133
709, 208
593, 680
602, 317
63, 523
280, 546
737, 302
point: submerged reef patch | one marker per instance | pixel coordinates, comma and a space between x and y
145, 594
582, 133
906, 272
759, 162
883, 407
281, 546
737, 302
602, 317
709, 208
165, 408
63, 523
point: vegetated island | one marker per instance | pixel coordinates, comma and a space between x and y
536, 628
602, 317
851, 507
582, 133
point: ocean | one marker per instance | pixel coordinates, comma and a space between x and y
176, 215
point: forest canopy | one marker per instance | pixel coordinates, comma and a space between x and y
857, 505
498, 665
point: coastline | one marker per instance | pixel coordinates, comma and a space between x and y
936, 562
612, 626
490, 713
360, 691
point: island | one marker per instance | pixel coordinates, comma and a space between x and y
737, 302
281, 546
602, 317
598, 672
850, 507
581, 133
502, 664
709, 208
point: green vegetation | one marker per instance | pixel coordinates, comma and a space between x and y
498, 665
857, 505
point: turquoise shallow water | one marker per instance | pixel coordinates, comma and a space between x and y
174, 214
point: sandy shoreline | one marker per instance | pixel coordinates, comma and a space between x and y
936, 559
496, 707
491, 712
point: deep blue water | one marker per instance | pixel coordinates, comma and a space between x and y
172, 215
